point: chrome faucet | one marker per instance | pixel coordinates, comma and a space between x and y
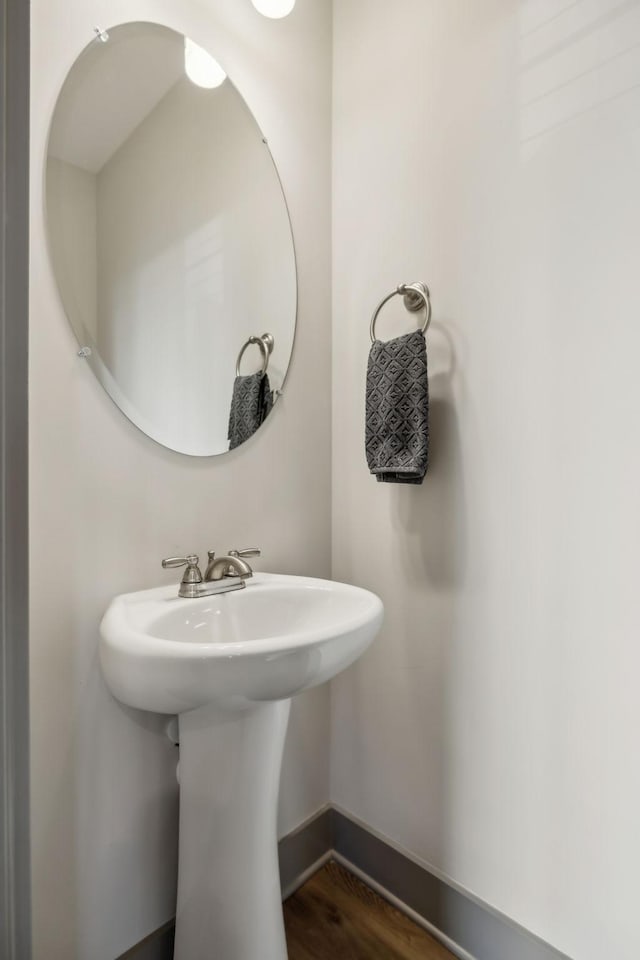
223, 574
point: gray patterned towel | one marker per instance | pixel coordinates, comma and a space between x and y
251, 404
397, 417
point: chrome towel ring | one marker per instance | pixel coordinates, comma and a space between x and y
266, 343
416, 297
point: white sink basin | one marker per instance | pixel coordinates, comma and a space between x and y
228, 665
268, 642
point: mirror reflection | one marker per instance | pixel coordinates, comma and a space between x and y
170, 239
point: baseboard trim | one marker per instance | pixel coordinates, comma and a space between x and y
157, 946
454, 948
469, 928
305, 850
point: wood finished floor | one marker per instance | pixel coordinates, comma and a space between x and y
334, 916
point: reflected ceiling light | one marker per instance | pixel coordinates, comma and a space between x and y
200, 66
274, 8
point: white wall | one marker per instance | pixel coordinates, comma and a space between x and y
107, 503
492, 149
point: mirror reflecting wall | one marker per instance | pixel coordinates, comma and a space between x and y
170, 239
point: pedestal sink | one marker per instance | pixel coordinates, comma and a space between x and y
228, 665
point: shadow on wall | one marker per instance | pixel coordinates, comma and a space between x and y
432, 516
431, 558
123, 827
392, 726
575, 59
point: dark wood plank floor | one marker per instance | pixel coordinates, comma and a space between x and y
334, 916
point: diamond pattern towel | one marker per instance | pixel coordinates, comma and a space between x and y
397, 410
251, 404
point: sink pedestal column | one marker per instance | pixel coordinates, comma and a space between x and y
229, 899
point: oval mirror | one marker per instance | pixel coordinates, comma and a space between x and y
170, 239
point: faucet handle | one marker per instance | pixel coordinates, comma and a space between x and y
247, 552
192, 574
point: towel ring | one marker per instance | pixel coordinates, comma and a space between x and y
265, 342
416, 297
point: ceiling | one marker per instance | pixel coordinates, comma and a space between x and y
109, 91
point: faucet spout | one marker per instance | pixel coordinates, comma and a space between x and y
219, 568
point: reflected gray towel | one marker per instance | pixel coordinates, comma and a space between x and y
397, 417
251, 403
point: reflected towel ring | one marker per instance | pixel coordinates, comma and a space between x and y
265, 342
416, 297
